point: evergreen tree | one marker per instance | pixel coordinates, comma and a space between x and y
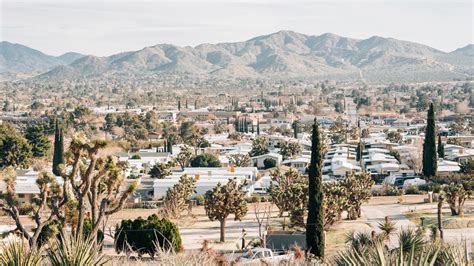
170, 145
38, 140
179, 104
430, 163
315, 222
258, 127
186, 103
58, 155
196, 104
296, 125
246, 125
440, 147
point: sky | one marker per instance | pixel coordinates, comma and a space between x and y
107, 27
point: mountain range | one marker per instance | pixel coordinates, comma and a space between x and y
281, 55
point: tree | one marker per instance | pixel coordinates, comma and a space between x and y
430, 163
259, 147
240, 160
269, 163
177, 197
289, 149
223, 200
457, 193
184, 156
335, 202
14, 148
359, 150
147, 236
394, 136
50, 196
288, 190
440, 147
358, 190
467, 167
160, 170
315, 221
296, 127
39, 142
58, 154
205, 160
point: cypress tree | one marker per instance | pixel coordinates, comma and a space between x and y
58, 155
246, 126
186, 103
295, 129
440, 147
315, 222
258, 127
179, 104
170, 145
430, 163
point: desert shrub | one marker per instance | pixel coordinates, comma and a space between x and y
254, 199
269, 163
136, 157
412, 190
387, 190
200, 200
54, 229
147, 236
297, 217
205, 160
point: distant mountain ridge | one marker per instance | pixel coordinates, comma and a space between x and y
17, 58
281, 55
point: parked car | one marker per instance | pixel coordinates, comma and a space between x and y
259, 255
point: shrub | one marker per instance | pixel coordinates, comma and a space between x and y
54, 229
297, 217
200, 200
136, 157
254, 199
147, 236
412, 190
205, 160
269, 163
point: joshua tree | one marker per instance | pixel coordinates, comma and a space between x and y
223, 200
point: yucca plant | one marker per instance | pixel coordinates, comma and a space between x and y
18, 253
412, 250
74, 251
387, 227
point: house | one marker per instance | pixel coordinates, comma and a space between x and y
259, 161
447, 168
300, 163
207, 178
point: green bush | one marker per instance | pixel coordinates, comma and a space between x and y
269, 163
412, 190
136, 157
205, 160
200, 200
145, 236
254, 198
54, 229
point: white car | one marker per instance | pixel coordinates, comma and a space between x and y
258, 255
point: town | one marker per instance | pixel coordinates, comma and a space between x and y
223, 173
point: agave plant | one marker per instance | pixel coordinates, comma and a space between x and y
412, 250
17, 253
74, 251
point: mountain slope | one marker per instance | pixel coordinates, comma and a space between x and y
282, 55
17, 58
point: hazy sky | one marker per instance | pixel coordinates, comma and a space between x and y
107, 27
